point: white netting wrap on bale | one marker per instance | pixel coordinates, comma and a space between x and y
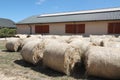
103, 62
60, 56
33, 51
13, 44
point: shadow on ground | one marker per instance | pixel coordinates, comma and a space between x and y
7, 51
39, 68
77, 74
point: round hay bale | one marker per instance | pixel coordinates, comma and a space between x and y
50, 36
102, 36
26, 40
13, 44
98, 40
32, 51
22, 36
35, 36
103, 62
86, 39
60, 56
66, 39
115, 39
110, 44
81, 45
73, 38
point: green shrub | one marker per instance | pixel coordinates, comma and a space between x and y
7, 32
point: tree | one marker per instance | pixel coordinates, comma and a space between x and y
7, 32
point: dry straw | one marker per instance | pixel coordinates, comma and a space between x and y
33, 51
60, 56
103, 62
13, 44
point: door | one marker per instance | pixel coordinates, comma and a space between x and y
70, 28
42, 29
75, 28
114, 28
80, 28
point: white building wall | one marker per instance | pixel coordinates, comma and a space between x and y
33, 29
23, 29
96, 28
58, 28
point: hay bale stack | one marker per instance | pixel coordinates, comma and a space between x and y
110, 44
13, 44
103, 62
32, 51
60, 56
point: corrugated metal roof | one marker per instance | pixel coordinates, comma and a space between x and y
6, 23
110, 14
79, 12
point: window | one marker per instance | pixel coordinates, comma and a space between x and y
42, 29
114, 28
75, 28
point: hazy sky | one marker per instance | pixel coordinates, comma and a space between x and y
17, 10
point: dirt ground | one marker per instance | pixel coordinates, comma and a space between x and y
12, 67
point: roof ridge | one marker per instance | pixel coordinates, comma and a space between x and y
82, 11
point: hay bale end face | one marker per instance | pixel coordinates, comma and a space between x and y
60, 56
13, 44
32, 51
103, 62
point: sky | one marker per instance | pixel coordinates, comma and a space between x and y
18, 10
